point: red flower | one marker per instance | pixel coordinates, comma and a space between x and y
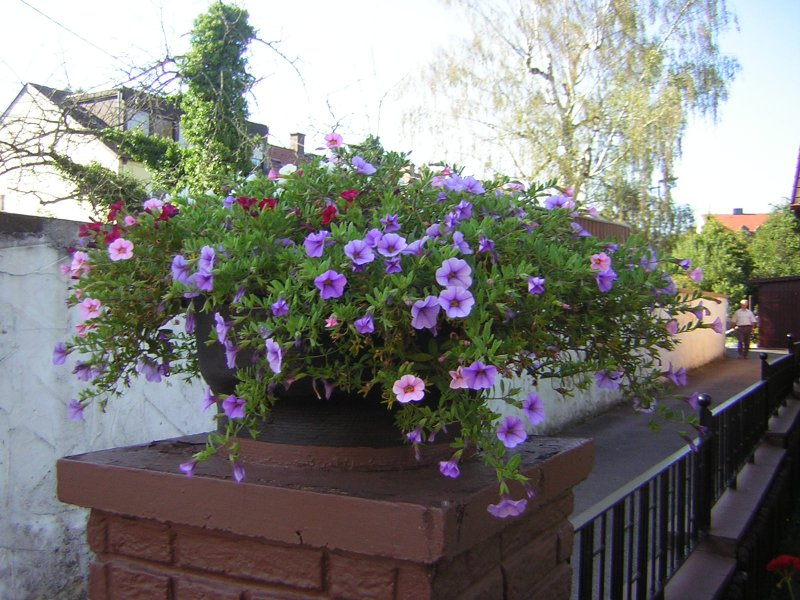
349, 195
246, 203
88, 229
784, 562
167, 212
112, 235
328, 214
114, 209
267, 203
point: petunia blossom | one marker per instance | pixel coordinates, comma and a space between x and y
75, 410
696, 275
457, 380
60, 353
209, 399
533, 407
718, 325
454, 271
600, 262
672, 327
361, 166
678, 377
392, 265
238, 472
315, 243
511, 431
456, 302
449, 468
391, 245
188, 467
390, 223
460, 244
409, 388
206, 260
330, 284
279, 308
507, 508
203, 280
89, 308
536, 286
274, 355
180, 269
359, 252
605, 280
233, 407
222, 327
608, 380
333, 140
120, 249
364, 325
479, 376
424, 313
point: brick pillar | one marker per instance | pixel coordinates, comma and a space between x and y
320, 533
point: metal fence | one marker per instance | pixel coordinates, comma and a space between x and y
631, 543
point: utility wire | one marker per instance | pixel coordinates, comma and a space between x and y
67, 29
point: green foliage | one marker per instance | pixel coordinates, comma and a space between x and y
723, 257
775, 246
595, 94
259, 238
97, 185
162, 157
214, 105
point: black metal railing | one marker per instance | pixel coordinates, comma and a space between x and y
630, 544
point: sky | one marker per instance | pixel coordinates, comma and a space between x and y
352, 64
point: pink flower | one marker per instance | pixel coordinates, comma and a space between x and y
331, 322
153, 204
333, 140
409, 389
129, 221
89, 309
120, 249
457, 380
600, 262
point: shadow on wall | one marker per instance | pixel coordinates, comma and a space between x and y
43, 554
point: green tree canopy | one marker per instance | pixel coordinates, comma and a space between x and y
595, 94
723, 257
775, 247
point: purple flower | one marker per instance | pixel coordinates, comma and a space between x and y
75, 410
533, 407
672, 327
203, 280
485, 244
511, 431
221, 328
579, 230
230, 354
718, 326
362, 167
605, 280
473, 186
206, 261
649, 261
330, 284
459, 243
424, 313
456, 302
188, 325
364, 325
150, 369
315, 243
696, 275
373, 237
454, 271
188, 467
209, 399
479, 376
434, 231
692, 400
449, 468
390, 224
608, 380
678, 377
391, 244
507, 508
228, 201
359, 252
559, 202
237, 297
611, 248
463, 210
414, 436
454, 183
392, 265
233, 407
279, 308
274, 355
699, 311
536, 286
238, 472
60, 353
415, 248
684, 263
180, 270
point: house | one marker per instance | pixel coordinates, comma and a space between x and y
42, 122
741, 221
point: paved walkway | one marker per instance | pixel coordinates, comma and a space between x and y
625, 446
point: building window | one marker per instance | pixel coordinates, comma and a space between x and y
141, 121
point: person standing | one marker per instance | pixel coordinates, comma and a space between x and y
744, 319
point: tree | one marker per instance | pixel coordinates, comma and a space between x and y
775, 247
594, 93
723, 257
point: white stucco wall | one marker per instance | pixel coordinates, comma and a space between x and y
42, 549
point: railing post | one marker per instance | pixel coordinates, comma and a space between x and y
790, 343
764, 366
704, 479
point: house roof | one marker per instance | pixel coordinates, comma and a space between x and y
747, 222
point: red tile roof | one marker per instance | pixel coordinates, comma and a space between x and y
739, 222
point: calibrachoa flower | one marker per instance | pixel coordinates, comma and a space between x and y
359, 252
608, 380
454, 271
274, 355
60, 353
449, 468
672, 327
391, 244
507, 508
330, 284
362, 167
456, 302
457, 380
678, 377
89, 308
333, 140
209, 399
188, 467
180, 269
605, 280
409, 389
315, 243
120, 249
221, 327
600, 262
511, 431
696, 275
364, 325
533, 407
207, 258
75, 410
425, 312
233, 407
718, 326
238, 472
479, 376
536, 286
279, 308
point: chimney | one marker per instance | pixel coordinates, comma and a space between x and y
738, 211
297, 142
